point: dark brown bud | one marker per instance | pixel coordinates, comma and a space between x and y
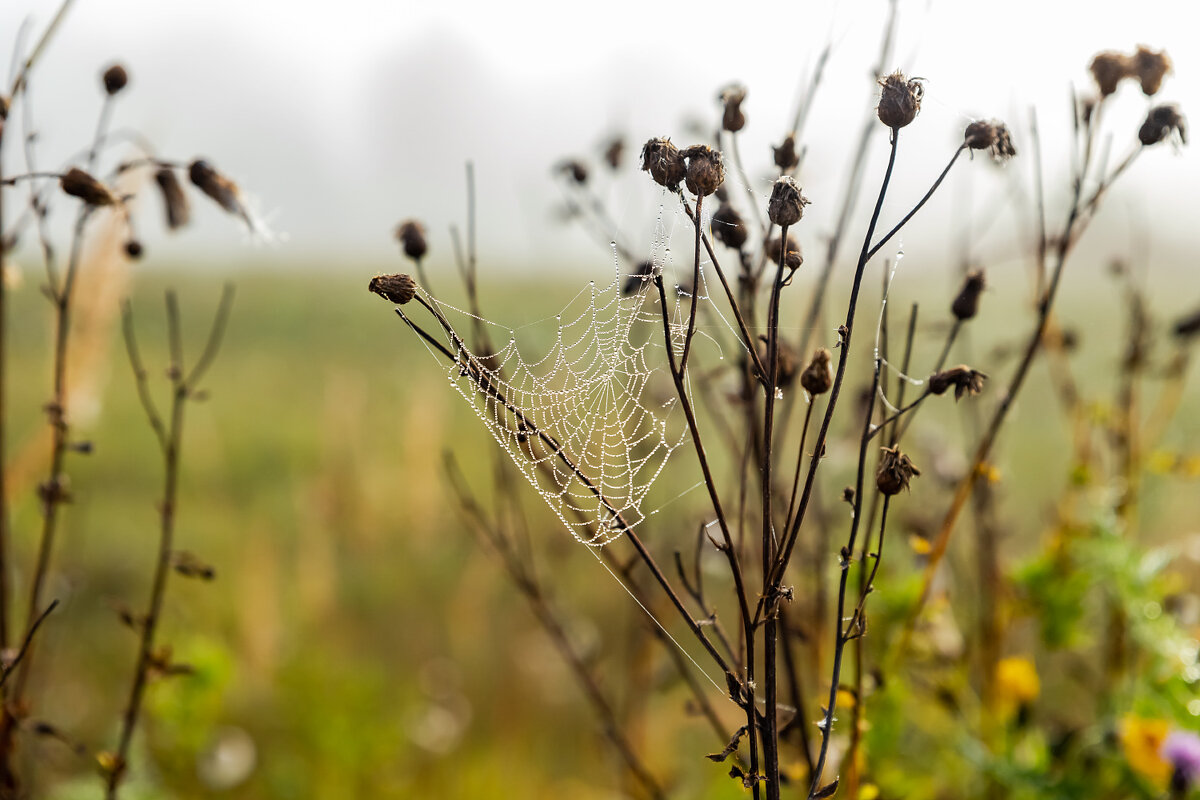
817, 377
895, 471
614, 153
705, 169
992, 136
1108, 68
115, 78
848, 495
966, 305
792, 259
787, 203
785, 367
174, 200
733, 120
964, 380
133, 249
398, 289
411, 234
78, 183
729, 228
1150, 67
900, 100
638, 278
224, 191
1188, 326
785, 154
1160, 124
574, 169
189, 566
664, 162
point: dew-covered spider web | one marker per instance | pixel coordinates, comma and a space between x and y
591, 420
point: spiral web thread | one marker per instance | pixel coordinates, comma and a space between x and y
579, 423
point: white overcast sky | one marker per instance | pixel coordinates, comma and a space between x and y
344, 117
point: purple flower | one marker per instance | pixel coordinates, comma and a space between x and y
1182, 750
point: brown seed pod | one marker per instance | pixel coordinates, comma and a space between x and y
900, 100
733, 120
792, 259
895, 471
964, 380
664, 162
576, 170
78, 183
398, 289
1187, 326
705, 169
1150, 67
786, 366
729, 228
115, 78
224, 191
787, 203
1108, 68
966, 305
785, 154
1161, 123
175, 201
817, 377
614, 152
411, 234
133, 249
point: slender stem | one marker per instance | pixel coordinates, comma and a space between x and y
691, 328
808, 409
33, 629
737, 161
887, 237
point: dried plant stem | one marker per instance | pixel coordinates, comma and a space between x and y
745, 179
691, 326
912, 213
9, 669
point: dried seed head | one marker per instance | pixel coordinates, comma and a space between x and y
786, 205
224, 191
900, 100
786, 367
398, 289
705, 169
614, 152
574, 169
992, 136
966, 305
729, 228
636, 279
411, 234
1161, 123
1188, 326
792, 259
964, 380
785, 155
175, 201
1150, 67
133, 249
78, 183
895, 471
664, 162
1108, 68
733, 120
115, 78
817, 377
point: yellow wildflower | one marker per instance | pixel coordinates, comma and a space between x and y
1017, 685
1142, 741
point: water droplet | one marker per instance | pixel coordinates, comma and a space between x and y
778, 394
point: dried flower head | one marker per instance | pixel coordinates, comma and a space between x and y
964, 380
1187, 326
1108, 68
574, 169
78, 183
411, 234
786, 367
133, 249
787, 203
224, 191
664, 162
966, 305
705, 169
992, 136
733, 120
115, 78
1150, 67
817, 377
614, 152
785, 154
895, 471
175, 201
900, 100
636, 279
398, 289
792, 258
1161, 123
729, 228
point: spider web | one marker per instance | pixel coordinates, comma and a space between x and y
588, 424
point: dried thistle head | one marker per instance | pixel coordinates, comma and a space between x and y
895, 471
574, 169
398, 289
411, 235
900, 100
785, 154
664, 162
992, 136
115, 78
218, 187
614, 152
133, 249
817, 377
78, 183
175, 201
1150, 67
786, 366
966, 305
1161, 123
787, 203
733, 120
705, 169
792, 258
729, 228
1108, 68
964, 380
